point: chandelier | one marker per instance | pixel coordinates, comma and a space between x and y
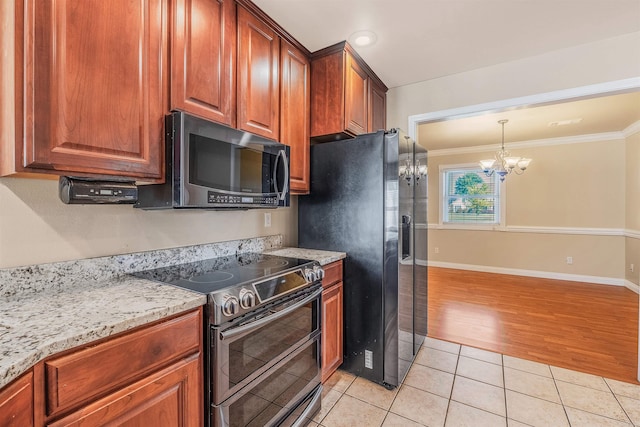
504, 163
410, 171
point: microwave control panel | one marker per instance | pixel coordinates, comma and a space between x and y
230, 199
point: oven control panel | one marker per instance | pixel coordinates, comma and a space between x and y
314, 273
239, 300
247, 298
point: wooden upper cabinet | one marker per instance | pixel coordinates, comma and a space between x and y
203, 59
377, 107
347, 98
258, 76
356, 94
294, 113
95, 87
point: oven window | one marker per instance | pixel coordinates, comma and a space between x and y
251, 352
228, 167
284, 388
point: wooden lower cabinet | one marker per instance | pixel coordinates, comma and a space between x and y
171, 398
149, 376
16, 403
332, 297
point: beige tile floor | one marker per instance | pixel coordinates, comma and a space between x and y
458, 386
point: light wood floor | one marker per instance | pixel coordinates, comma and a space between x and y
585, 327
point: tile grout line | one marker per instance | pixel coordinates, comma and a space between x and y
615, 396
555, 384
446, 413
504, 390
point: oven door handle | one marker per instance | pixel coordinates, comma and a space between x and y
303, 419
261, 322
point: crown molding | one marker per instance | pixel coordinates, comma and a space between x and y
578, 139
632, 129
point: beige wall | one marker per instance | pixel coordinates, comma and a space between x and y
632, 253
596, 256
587, 193
36, 227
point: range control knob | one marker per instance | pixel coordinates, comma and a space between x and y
247, 298
230, 305
310, 275
319, 272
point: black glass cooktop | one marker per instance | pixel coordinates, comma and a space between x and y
214, 274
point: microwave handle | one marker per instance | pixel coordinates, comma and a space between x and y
285, 186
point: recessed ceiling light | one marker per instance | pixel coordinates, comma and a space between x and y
565, 122
363, 38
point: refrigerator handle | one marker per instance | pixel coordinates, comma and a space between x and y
406, 236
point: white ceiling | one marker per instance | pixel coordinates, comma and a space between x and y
598, 115
425, 39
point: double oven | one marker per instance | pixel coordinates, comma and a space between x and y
262, 337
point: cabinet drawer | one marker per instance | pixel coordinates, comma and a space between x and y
87, 373
170, 397
332, 274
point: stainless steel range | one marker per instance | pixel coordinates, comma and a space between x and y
262, 336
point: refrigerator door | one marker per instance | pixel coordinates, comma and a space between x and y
346, 212
406, 272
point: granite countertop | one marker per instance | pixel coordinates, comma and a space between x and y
35, 326
49, 308
323, 257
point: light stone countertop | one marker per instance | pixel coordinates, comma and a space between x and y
49, 308
323, 257
35, 326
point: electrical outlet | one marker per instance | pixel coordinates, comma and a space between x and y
436, 250
368, 359
569, 260
631, 268
267, 219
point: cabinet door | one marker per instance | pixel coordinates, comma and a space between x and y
171, 397
294, 114
95, 80
331, 330
16, 403
258, 76
203, 59
377, 107
356, 97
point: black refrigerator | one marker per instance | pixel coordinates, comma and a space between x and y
362, 201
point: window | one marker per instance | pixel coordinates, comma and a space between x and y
469, 196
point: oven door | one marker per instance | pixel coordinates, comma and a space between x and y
288, 394
245, 349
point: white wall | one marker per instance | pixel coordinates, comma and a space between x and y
36, 227
603, 61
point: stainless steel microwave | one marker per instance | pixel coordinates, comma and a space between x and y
210, 165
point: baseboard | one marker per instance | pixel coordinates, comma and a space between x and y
535, 273
630, 285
